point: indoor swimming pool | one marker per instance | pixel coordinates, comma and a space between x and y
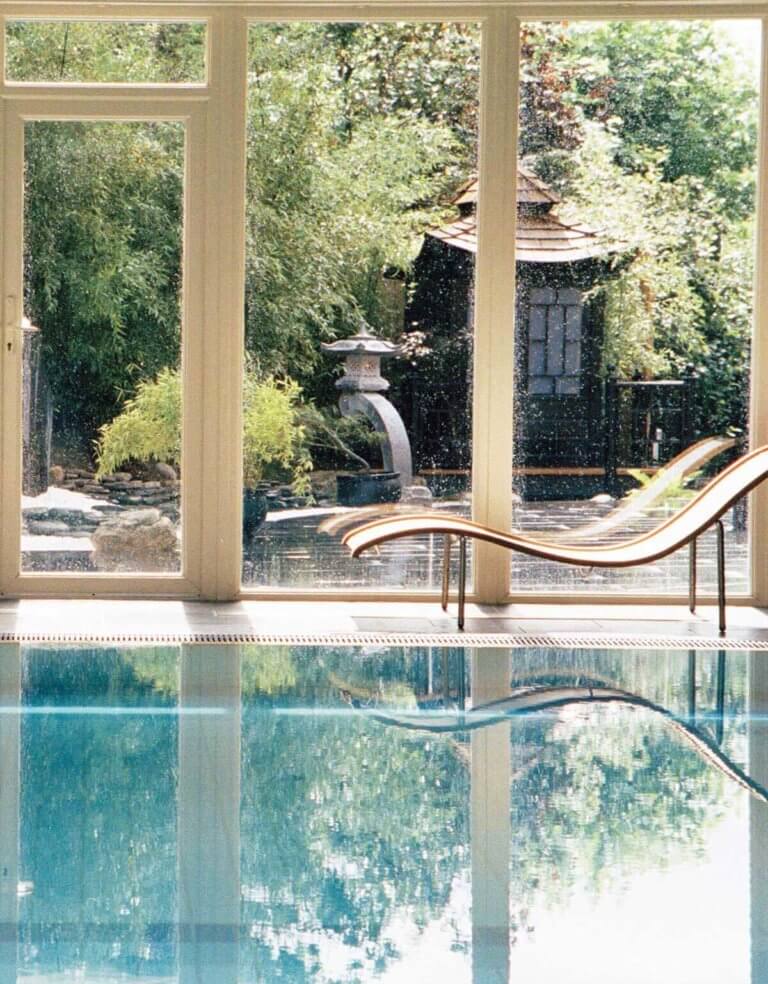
250, 814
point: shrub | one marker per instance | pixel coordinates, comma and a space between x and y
149, 428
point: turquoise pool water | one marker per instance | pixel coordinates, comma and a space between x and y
316, 814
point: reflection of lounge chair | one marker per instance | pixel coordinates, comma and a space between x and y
703, 510
640, 500
550, 699
628, 510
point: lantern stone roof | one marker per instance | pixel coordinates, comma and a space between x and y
542, 236
363, 343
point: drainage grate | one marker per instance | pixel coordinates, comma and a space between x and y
453, 640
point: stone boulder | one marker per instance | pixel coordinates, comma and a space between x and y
136, 540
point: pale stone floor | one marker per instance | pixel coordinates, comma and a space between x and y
148, 620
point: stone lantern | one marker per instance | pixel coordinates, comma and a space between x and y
362, 386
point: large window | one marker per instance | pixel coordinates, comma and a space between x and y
440, 310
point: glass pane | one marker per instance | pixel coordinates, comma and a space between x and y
106, 51
97, 889
361, 198
635, 257
103, 219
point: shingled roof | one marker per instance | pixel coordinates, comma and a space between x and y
542, 237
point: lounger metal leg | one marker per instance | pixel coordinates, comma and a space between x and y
692, 576
462, 578
721, 576
447, 543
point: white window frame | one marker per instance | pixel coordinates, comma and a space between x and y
214, 303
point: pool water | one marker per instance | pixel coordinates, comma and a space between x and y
342, 814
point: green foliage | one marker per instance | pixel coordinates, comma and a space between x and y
273, 437
103, 221
87, 51
149, 427
675, 494
678, 89
427, 71
648, 130
331, 205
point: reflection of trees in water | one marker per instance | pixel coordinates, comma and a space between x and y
349, 829
610, 793
345, 825
98, 816
603, 792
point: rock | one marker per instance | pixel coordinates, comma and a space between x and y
164, 472
418, 495
155, 500
116, 478
36, 512
47, 528
136, 540
70, 518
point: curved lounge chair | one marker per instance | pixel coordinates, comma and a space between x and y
698, 515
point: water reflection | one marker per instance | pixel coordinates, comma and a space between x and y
470, 817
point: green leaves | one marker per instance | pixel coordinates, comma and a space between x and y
149, 428
342, 177
103, 224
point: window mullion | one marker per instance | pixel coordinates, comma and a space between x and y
495, 297
224, 305
759, 395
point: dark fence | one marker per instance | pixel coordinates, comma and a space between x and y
646, 423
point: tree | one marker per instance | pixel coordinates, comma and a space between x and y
648, 129
93, 51
149, 428
331, 207
675, 88
103, 223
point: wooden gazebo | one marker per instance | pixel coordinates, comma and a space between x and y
559, 402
